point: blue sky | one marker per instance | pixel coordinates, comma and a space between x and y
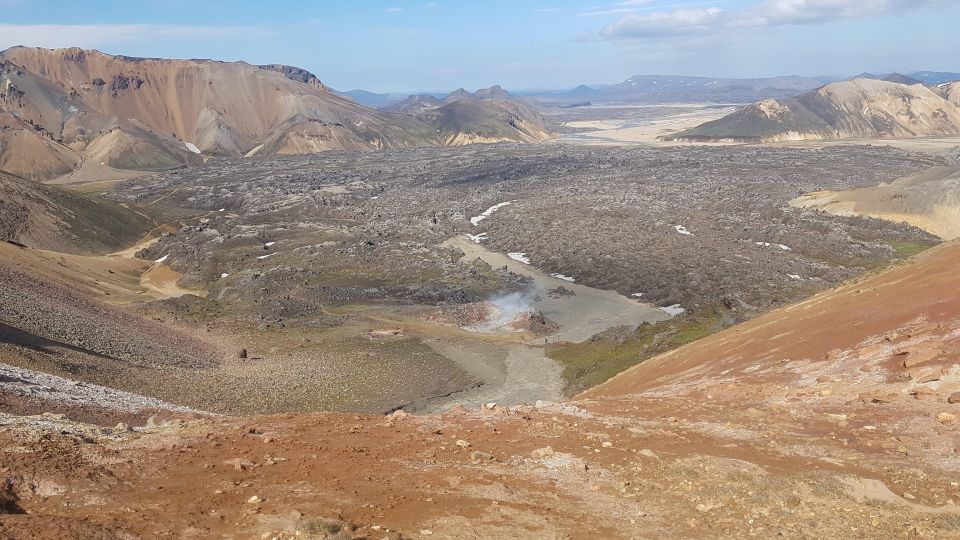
414, 45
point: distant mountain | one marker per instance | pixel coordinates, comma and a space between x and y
861, 108
675, 89
487, 115
935, 77
898, 78
371, 99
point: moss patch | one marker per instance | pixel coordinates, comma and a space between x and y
605, 355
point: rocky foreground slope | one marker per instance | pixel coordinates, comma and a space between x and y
68, 109
838, 417
861, 108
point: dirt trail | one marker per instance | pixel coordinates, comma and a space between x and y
581, 315
160, 280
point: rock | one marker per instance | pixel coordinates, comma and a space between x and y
254, 500
878, 396
922, 392
491, 406
122, 428
922, 375
606, 444
242, 353
477, 455
542, 452
908, 496
954, 398
648, 453
462, 443
918, 355
240, 464
946, 418
398, 414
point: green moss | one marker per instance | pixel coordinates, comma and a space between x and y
593, 362
908, 249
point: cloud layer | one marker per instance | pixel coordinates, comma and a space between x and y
711, 20
99, 35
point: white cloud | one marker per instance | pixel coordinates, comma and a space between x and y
706, 21
98, 35
671, 23
395, 10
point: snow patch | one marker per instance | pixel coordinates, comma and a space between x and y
192, 147
794, 276
161, 259
637, 294
563, 277
768, 244
268, 244
477, 238
682, 230
261, 257
673, 310
517, 256
475, 220
223, 275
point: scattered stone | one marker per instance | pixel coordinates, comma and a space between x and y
242, 353
542, 452
908, 496
646, 452
946, 418
240, 464
122, 428
477, 455
462, 443
924, 374
606, 444
954, 398
878, 396
254, 500
922, 392
491, 406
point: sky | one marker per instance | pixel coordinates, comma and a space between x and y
405, 46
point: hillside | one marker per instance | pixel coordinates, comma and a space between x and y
861, 108
929, 200
677, 89
51, 218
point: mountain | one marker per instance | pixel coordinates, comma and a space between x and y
487, 115
68, 109
861, 108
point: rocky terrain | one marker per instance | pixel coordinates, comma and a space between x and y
87, 113
783, 426
861, 108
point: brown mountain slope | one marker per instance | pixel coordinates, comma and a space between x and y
861, 108
69, 108
204, 102
929, 200
832, 418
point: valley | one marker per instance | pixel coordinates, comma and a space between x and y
236, 302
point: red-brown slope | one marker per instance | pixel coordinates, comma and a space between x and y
926, 290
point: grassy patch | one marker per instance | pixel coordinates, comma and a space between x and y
908, 249
593, 362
